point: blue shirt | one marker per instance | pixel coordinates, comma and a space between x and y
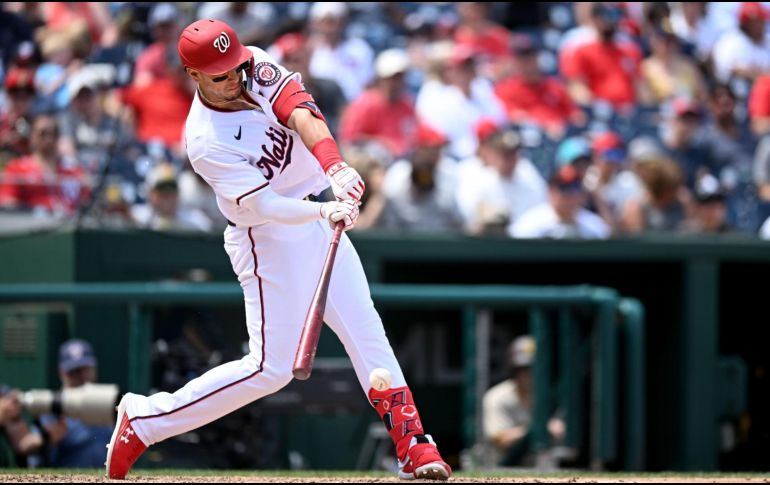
82, 447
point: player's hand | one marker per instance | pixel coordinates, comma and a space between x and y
346, 182
345, 211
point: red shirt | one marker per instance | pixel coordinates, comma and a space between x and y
759, 101
372, 116
494, 41
27, 183
545, 102
609, 70
152, 61
161, 110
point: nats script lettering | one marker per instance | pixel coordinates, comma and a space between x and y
279, 157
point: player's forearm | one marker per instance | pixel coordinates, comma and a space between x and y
310, 128
269, 206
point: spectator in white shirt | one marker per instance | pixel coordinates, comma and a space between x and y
348, 61
506, 187
563, 217
456, 98
745, 51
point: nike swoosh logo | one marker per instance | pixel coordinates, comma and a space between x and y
238, 136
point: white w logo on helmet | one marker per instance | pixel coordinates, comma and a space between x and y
222, 42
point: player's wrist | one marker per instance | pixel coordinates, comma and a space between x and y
328, 154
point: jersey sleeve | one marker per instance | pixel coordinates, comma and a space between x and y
268, 78
228, 173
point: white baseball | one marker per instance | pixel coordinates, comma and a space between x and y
380, 379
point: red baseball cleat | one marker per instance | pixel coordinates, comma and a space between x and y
423, 461
125, 446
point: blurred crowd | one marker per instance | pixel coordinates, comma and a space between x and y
540, 120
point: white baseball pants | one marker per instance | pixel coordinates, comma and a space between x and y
278, 267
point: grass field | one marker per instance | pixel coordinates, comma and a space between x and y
241, 476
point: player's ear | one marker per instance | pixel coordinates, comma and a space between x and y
193, 73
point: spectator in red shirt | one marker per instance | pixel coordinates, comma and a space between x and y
151, 63
15, 116
161, 107
529, 96
759, 105
478, 33
605, 69
383, 113
41, 180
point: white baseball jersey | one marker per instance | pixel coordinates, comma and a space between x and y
240, 152
278, 266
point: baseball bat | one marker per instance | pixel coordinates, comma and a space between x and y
308, 342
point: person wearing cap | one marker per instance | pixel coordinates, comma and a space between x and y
293, 52
607, 68
88, 132
420, 188
162, 212
680, 137
731, 146
259, 140
744, 52
564, 215
531, 97
509, 185
151, 64
667, 73
43, 181
608, 181
456, 97
508, 406
70, 442
16, 114
709, 214
160, 108
346, 60
384, 113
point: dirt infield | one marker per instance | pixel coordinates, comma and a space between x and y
229, 477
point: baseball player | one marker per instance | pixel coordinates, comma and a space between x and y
259, 140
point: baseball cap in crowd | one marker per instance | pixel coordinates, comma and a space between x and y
162, 177
321, 10
522, 351
708, 189
523, 44
752, 10
286, 45
391, 62
571, 150
20, 79
609, 146
485, 128
610, 13
162, 13
76, 354
684, 106
428, 137
461, 55
566, 179
212, 47
92, 76
506, 140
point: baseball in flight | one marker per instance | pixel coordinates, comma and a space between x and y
380, 379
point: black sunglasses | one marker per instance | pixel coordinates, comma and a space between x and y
238, 71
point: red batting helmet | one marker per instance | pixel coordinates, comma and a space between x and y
212, 47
